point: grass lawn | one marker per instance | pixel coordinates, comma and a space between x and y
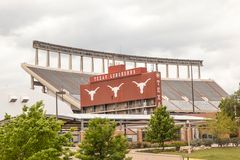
217, 154
210, 154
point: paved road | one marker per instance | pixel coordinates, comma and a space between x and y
151, 156
147, 156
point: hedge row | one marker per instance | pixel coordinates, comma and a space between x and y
221, 142
135, 145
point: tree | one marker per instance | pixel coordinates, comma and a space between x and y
32, 136
222, 125
231, 105
101, 143
161, 127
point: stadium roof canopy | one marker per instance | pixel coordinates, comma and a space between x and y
17, 96
98, 54
87, 116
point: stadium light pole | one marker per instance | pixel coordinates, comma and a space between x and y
57, 93
192, 89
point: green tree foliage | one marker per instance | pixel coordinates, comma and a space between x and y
32, 136
231, 104
100, 142
161, 127
222, 125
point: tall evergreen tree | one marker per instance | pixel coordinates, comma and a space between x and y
161, 127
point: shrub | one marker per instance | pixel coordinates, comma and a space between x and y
174, 143
199, 142
207, 142
178, 144
135, 145
131, 145
146, 145
196, 142
235, 141
222, 141
154, 145
156, 150
139, 145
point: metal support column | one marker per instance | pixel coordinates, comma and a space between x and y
199, 72
125, 128
70, 62
82, 131
59, 60
36, 57
188, 71
43, 89
156, 67
135, 64
108, 63
121, 125
81, 63
177, 71
92, 69
167, 74
82, 125
113, 61
48, 59
103, 65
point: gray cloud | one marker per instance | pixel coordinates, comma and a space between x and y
207, 30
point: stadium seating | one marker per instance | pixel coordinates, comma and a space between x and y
177, 93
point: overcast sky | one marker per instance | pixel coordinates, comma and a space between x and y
192, 29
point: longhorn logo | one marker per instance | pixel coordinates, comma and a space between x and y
92, 93
115, 89
141, 85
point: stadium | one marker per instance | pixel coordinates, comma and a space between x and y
125, 90
176, 93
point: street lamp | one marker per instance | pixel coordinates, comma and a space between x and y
57, 93
188, 136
